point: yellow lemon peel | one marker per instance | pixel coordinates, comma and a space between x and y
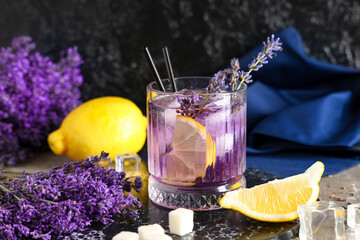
277, 201
111, 124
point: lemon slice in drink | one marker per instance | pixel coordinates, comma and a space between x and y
277, 201
191, 151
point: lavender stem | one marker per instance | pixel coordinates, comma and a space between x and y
250, 70
7, 190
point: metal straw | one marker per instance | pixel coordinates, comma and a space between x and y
154, 72
169, 68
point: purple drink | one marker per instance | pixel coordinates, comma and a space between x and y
194, 159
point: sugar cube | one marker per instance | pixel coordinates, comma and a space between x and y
321, 220
181, 221
125, 235
150, 232
353, 215
164, 237
156, 237
357, 232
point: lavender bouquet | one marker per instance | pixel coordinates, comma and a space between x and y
35, 96
66, 199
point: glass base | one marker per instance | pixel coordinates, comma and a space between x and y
196, 199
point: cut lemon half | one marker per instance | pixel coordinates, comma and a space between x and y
277, 201
192, 151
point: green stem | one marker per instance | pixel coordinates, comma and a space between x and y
47, 201
203, 104
12, 172
250, 70
7, 178
18, 198
7, 190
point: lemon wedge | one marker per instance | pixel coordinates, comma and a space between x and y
192, 151
277, 201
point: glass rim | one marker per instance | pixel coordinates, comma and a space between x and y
148, 87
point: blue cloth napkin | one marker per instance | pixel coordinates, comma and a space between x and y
301, 110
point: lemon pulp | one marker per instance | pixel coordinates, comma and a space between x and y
192, 151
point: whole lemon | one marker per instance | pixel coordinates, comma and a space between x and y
111, 124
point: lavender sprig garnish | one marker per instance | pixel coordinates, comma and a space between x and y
234, 75
188, 106
66, 199
238, 77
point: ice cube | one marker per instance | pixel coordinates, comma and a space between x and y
164, 108
321, 220
181, 221
219, 100
353, 215
153, 231
125, 235
216, 121
129, 163
167, 101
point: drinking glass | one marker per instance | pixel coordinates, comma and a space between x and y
196, 143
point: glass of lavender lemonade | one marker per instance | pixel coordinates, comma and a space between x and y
196, 143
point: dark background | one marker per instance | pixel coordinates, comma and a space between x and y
202, 36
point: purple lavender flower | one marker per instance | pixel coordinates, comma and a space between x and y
272, 45
237, 77
245, 77
268, 51
138, 184
35, 96
216, 83
66, 199
233, 72
188, 106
